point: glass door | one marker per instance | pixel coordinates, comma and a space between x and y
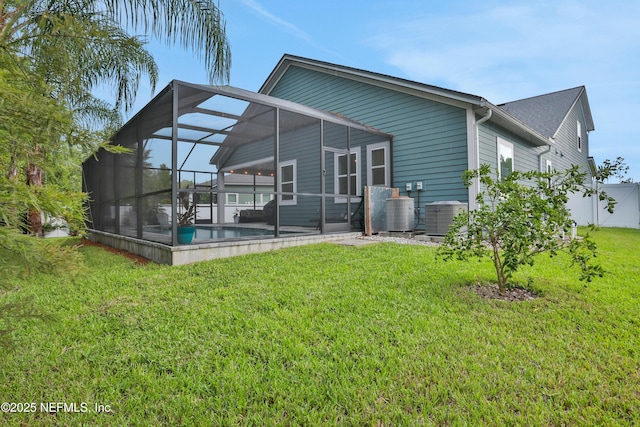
337, 189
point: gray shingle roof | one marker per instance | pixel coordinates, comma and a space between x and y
545, 113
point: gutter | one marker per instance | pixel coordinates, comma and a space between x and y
486, 117
507, 121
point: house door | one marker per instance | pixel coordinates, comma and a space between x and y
336, 190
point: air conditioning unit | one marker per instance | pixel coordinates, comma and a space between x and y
439, 216
400, 214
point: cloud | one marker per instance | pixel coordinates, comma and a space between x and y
283, 24
506, 52
286, 25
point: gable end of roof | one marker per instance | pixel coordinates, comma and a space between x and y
546, 113
383, 80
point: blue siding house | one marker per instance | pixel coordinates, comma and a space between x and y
314, 137
439, 133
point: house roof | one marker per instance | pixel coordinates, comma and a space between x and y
533, 126
546, 113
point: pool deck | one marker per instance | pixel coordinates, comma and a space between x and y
187, 254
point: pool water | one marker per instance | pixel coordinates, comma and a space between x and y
206, 233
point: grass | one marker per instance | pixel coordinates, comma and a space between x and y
329, 335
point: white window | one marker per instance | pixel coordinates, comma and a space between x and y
505, 158
378, 171
347, 174
232, 198
287, 183
579, 138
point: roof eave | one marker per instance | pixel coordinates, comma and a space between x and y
514, 125
381, 79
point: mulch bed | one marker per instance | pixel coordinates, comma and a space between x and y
138, 259
512, 294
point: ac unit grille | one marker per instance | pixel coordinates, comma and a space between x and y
439, 216
400, 214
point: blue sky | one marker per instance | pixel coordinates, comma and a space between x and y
499, 50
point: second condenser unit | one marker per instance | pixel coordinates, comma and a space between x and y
439, 216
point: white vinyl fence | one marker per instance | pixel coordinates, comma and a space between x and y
590, 210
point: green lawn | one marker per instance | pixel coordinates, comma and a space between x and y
384, 334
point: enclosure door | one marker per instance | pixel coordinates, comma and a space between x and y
336, 189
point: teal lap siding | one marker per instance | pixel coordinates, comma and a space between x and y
430, 137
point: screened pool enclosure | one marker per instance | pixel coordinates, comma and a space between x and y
253, 165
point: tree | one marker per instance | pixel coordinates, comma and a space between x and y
617, 169
29, 122
518, 217
35, 129
90, 31
68, 48
52, 55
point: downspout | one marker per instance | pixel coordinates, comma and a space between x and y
476, 181
540, 158
483, 119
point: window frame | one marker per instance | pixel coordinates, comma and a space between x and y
549, 169
229, 202
579, 135
294, 198
387, 160
503, 143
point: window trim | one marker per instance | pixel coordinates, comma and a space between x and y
509, 146
549, 169
228, 202
579, 135
387, 159
294, 200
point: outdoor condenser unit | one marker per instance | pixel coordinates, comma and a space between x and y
439, 216
400, 214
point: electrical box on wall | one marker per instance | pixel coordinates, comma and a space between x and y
408, 186
419, 185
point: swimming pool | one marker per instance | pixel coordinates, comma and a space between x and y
222, 232
226, 232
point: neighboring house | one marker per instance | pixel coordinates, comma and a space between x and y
246, 190
243, 192
437, 133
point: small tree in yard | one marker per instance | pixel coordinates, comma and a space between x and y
520, 216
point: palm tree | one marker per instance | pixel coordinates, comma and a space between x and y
94, 33
78, 45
